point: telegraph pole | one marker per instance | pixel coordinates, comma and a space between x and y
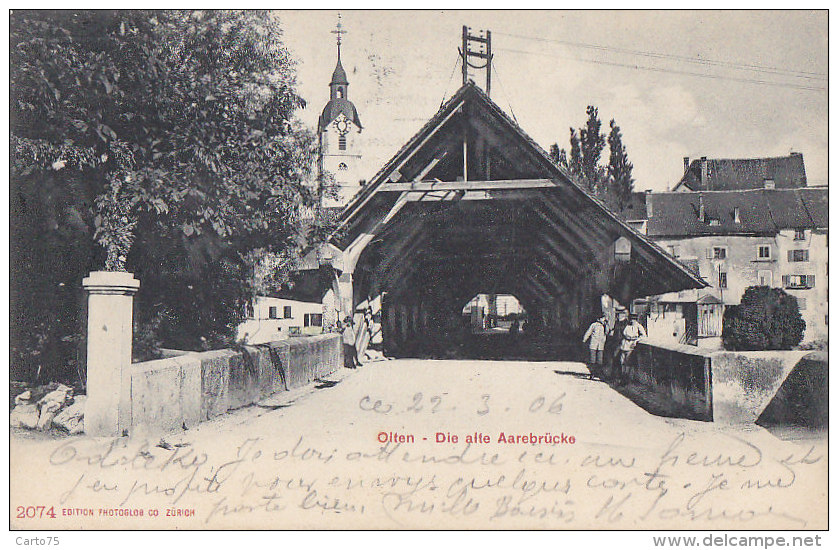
482, 50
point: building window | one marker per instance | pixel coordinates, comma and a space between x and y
801, 304
715, 221
342, 142
719, 253
764, 252
736, 218
766, 278
799, 281
342, 166
798, 255
799, 234
248, 310
313, 320
272, 312
286, 312
722, 279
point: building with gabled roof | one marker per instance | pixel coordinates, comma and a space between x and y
738, 174
733, 240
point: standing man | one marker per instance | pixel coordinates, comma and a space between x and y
613, 340
595, 336
350, 353
631, 334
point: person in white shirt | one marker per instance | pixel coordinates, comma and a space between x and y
595, 336
631, 334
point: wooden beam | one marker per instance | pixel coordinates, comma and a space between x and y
540, 183
590, 240
555, 262
569, 213
354, 250
474, 195
580, 255
430, 166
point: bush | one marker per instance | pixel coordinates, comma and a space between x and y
765, 319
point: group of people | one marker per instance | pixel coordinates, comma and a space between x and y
626, 329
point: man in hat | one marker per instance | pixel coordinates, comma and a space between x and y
595, 336
631, 334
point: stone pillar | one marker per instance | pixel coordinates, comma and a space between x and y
109, 334
345, 292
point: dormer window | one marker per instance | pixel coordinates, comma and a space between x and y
340, 93
736, 218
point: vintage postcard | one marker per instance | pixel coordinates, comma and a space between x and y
419, 270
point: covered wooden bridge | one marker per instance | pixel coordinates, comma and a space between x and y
470, 205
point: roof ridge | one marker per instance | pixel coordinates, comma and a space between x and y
789, 156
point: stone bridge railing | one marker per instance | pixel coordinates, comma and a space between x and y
187, 389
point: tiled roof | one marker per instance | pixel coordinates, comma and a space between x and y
334, 108
732, 174
760, 211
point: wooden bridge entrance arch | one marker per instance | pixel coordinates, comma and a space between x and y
472, 204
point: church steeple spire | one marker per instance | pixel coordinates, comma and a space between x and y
339, 126
339, 84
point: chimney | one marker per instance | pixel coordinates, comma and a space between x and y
768, 183
736, 218
701, 208
704, 171
686, 163
649, 209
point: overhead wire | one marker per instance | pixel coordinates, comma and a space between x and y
450, 78
671, 71
658, 55
503, 88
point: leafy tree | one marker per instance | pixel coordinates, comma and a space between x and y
161, 142
620, 180
766, 319
612, 183
592, 143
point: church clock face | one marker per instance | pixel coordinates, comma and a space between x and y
342, 125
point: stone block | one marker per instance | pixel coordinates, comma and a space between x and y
215, 382
155, 395
244, 380
191, 395
280, 365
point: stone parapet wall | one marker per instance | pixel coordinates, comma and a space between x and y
183, 390
676, 378
732, 387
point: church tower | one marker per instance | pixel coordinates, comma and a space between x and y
339, 131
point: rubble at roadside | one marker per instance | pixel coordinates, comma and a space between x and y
51, 406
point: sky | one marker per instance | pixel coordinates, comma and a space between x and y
401, 66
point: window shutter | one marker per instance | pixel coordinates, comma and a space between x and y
810, 281
791, 255
805, 254
709, 253
786, 281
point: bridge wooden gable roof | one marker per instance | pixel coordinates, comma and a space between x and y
419, 203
